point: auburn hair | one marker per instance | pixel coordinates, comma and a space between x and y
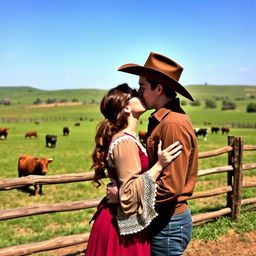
112, 107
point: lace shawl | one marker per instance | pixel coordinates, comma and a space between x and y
130, 224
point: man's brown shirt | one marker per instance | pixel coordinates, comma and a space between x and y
176, 182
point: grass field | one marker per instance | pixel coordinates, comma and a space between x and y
73, 155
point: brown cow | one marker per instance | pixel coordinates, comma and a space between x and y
31, 134
29, 165
143, 136
4, 133
225, 130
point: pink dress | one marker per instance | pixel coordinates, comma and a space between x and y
105, 238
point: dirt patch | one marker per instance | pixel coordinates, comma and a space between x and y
56, 105
231, 244
228, 245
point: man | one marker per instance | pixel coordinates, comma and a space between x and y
158, 80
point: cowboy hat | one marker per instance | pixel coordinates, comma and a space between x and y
161, 69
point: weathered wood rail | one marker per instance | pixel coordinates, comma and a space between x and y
234, 170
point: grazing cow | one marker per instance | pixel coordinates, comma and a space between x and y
31, 134
201, 131
37, 122
51, 139
77, 124
29, 165
66, 131
3, 133
143, 137
215, 129
225, 130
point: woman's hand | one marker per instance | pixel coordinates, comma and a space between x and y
166, 156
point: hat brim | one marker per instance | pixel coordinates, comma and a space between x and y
156, 75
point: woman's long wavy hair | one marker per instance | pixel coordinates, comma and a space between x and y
112, 107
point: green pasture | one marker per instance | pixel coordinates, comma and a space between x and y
73, 155
24, 95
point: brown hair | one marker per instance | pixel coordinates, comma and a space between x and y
112, 107
168, 91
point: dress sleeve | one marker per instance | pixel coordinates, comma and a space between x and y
137, 191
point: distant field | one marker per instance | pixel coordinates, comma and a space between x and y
73, 155
22, 99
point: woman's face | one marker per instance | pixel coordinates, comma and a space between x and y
136, 104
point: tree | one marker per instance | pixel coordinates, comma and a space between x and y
37, 101
195, 103
50, 101
183, 103
251, 107
210, 103
228, 105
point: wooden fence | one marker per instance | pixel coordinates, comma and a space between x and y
233, 190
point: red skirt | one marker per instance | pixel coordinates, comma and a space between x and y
105, 239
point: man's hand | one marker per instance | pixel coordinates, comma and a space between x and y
112, 193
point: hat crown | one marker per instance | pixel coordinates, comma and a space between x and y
164, 65
160, 69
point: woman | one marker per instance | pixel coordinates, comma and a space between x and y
120, 229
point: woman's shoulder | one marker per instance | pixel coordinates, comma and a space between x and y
118, 135
122, 136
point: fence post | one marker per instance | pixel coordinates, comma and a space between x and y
231, 140
235, 178
238, 178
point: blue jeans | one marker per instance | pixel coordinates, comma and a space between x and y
171, 234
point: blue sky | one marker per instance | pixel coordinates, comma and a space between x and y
69, 44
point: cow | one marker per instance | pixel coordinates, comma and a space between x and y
77, 124
225, 130
143, 137
201, 131
215, 129
29, 165
3, 133
66, 131
37, 122
31, 134
51, 139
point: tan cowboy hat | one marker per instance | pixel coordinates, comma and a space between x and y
160, 69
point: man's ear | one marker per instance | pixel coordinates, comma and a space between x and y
159, 89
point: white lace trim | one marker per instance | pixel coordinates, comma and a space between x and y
135, 223
120, 139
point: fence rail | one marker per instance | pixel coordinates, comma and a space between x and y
234, 187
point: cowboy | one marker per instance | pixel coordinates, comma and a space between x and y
159, 84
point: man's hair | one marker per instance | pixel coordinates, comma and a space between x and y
168, 92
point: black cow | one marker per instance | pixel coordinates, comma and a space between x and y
201, 131
66, 131
51, 139
3, 133
215, 129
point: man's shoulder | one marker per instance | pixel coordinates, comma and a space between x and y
175, 119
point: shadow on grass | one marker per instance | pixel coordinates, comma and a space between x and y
78, 253
27, 190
